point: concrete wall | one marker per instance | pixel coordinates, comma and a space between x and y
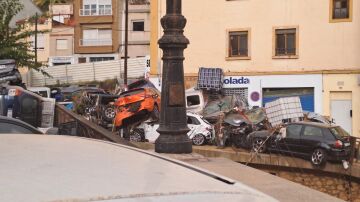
336, 186
322, 44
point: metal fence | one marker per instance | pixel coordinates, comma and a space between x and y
72, 124
85, 72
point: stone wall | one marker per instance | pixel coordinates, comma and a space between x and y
337, 186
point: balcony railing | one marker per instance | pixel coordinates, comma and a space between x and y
95, 42
96, 12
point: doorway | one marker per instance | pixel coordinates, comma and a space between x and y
341, 110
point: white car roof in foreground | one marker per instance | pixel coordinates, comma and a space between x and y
60, 168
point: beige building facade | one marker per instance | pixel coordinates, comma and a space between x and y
139, 30
274, 48
62, 35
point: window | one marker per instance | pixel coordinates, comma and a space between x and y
61, 44
96, 7
238, 44
312, 131
82, 60
13, 128
97, 37
193, 100
341, 9
192, 120
138, 26
101, 59
293, 131
286, 43
40, 42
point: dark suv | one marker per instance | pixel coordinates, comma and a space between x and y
315, 141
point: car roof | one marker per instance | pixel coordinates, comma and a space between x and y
9, 119
63, 168
322, 125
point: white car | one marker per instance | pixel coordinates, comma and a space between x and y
64, 168
201, 131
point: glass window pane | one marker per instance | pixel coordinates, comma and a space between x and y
280, 44
12, 128
312, 131
244, 45
234, 45
138, 26
293, 131
291, 44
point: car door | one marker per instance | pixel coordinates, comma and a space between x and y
291, 143
310, 138
193, 124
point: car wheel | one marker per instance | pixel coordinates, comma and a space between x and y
258, 145
198, 139
318, 157
137, 135
109, 113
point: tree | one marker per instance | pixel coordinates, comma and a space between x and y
14, 41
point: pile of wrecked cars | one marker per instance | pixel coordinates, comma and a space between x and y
281, 126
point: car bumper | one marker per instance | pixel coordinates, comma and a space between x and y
339, 154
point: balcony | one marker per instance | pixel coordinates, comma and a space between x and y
95, 42
96, 12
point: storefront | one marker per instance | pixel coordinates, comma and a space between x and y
262, 89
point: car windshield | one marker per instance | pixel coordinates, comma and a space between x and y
205, 120
339, 132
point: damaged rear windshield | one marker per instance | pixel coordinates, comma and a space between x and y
339, 132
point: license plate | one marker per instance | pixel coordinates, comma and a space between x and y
12, 92
346, 144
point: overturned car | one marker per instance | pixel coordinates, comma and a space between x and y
136, 106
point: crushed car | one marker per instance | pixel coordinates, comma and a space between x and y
136, 106
234, 126
201, 131
317, 142
9, 73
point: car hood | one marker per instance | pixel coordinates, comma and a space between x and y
59, 168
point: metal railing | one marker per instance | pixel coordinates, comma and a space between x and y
95, 42
96, 12
72, 124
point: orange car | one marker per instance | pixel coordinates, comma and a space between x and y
137, 105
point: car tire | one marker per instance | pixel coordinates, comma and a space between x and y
258, 145
137, 135
108, 113
199, 139
318, 157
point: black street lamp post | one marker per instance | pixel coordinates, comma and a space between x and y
173, 126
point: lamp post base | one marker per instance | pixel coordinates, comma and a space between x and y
173, 144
